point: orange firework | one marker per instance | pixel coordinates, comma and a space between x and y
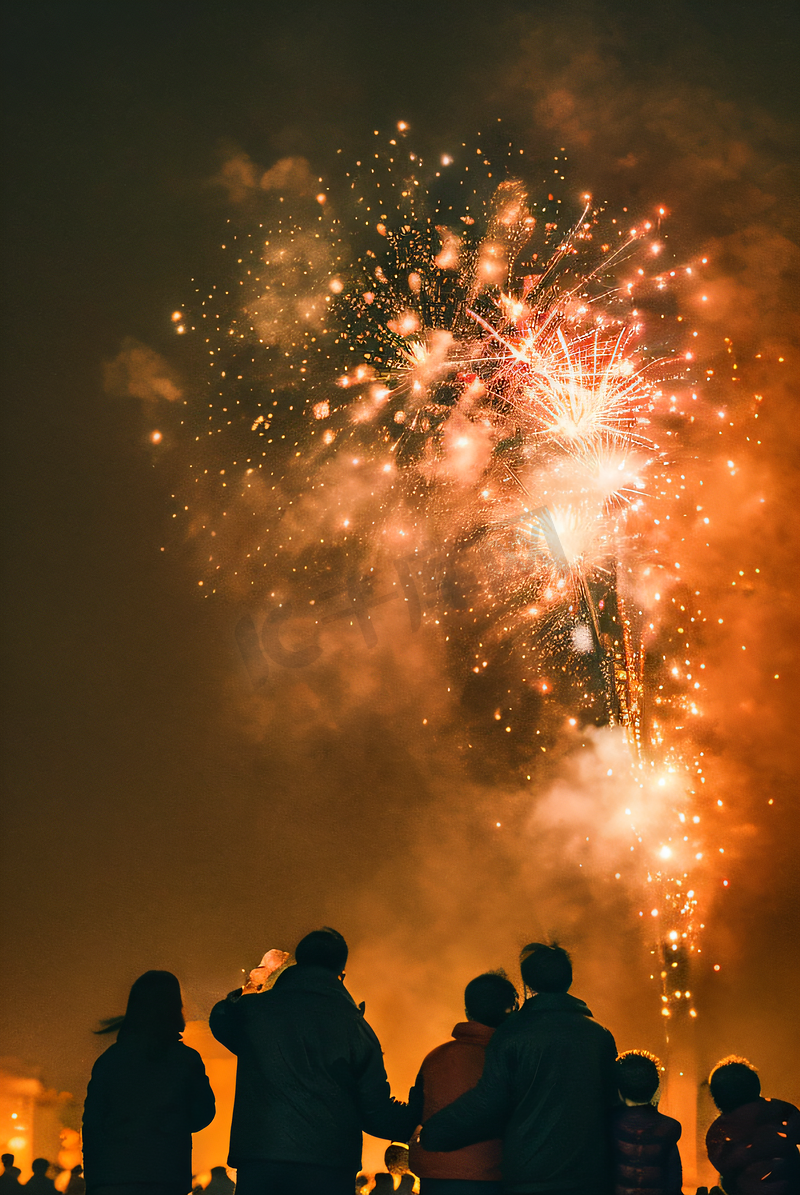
489, 378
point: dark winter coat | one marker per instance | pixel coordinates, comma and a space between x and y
446, 1073
143, 1103
40, 1184
310, 1076
646, 1157
755, 1148
548, 1088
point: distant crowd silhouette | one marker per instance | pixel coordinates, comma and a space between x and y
40, 1182
526, 1098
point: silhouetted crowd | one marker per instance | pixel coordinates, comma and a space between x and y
40, 1182
529, 1099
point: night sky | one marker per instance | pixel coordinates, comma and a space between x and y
158, 812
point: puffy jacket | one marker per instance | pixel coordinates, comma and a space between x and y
548, 1088
646, 1157
446, 1073
143, 1103
310, 1075
755, 1148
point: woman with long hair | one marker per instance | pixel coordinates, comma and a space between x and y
148, 1093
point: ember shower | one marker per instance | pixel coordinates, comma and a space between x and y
457, 390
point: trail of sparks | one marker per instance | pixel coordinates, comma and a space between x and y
475, 380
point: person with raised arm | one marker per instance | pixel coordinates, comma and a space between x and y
310, 1077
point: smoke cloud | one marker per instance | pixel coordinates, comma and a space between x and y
140, 372
242, 178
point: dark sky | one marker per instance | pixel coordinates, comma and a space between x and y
148, 820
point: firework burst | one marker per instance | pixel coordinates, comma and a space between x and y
486, 380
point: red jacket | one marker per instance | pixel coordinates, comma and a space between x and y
755, 1148
447, 1072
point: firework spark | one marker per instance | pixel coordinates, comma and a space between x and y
480, 380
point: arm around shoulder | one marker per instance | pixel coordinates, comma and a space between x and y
477, 1115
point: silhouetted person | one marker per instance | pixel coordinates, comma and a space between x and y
9, 1179
310, 1078
395, 1158
148, 1093
39, 1183
753, 1144
548, 1087
220, 1183
646, 1157
446, 1073
77, 1183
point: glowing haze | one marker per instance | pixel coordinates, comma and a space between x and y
383, 786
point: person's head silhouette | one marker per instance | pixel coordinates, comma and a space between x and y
154, 1011
490, 998
545, 967
322, 948
733, 1082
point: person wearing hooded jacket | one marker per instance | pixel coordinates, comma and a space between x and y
446, 1073
148, 1093
309, 1079
548, 1089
